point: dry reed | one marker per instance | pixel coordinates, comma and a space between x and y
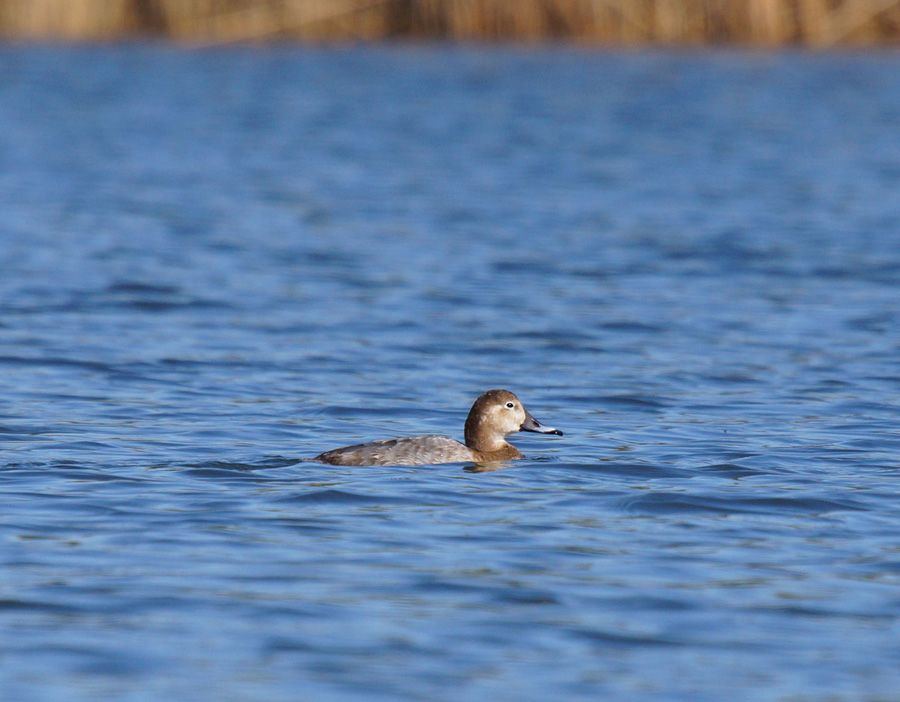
819, 23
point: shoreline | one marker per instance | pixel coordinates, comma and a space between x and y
615, 24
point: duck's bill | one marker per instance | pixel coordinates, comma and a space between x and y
531, 424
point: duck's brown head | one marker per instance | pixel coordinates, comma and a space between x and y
496, 414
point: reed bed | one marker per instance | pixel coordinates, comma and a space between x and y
819, 23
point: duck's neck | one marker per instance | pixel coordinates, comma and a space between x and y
480, 438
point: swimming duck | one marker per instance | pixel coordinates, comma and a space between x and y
494, 415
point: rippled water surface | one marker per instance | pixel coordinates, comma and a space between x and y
215, 263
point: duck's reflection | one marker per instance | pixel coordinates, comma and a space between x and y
487, 467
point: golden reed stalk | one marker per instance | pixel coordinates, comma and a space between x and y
616, 22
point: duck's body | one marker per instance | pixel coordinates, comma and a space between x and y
414, 451
494, 415
407, 451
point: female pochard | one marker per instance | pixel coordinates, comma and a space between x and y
494, 415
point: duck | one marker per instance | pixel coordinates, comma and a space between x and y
494, 415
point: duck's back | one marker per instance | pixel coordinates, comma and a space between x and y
407, 451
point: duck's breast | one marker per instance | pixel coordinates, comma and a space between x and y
408, 451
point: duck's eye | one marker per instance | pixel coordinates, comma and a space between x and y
510, 405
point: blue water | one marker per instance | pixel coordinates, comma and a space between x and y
215, 263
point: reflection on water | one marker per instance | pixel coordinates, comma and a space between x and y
216, 264
488, 467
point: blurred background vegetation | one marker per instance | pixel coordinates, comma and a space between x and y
820, 23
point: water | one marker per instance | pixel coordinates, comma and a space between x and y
214, 263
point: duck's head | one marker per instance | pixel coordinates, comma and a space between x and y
496, 414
